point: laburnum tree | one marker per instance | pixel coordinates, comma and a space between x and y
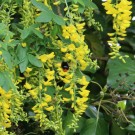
64, 69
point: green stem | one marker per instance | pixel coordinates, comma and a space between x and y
127, 119
97, 84
68, 12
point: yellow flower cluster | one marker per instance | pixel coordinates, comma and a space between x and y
72, 32
81, 105
27, 86
50, 75
122, 16
66, 77
76, 51
46, 57
45, 104
17, 112
78, 100
5, 110
71, 91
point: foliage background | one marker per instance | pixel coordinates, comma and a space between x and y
111, 101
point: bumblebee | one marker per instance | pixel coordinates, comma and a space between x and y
65, 66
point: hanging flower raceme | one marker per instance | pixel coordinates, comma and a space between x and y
5, 109
76, 51
121, 17
121, 21
73, 32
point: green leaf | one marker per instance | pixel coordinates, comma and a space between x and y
7, 58
90, 127
121, 75
67, 121
116, 130
2, 79
58, 19
6, 81
81, 9
94, 127
40, 6
91, 111
21, 52
44, 17
78, 73
19, 2
75, 1
55, 30
131, 127
80, 124
34, 61
50, 91
81, 2
38, 33
90, 4
22, 56
25, 33
23, 65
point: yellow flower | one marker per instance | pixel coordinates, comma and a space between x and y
121, 14
63, 49
69, 76
80, 26
83, 64
49, 72
65, 80
7, 110
56, 3
6, 116
66, 35
27, 86
48, 98
71, 92
75, 37
71, 29
66, 99
2, 91
43, 58
43, 104
33, 93
47, 83
46, 57
6, 105
84, 93
83, 81
24, 44
68, 56
50, 78
7, 125
51, 108
51, 55
8, 94
68, 89
71, 47
28, 69
81, 101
